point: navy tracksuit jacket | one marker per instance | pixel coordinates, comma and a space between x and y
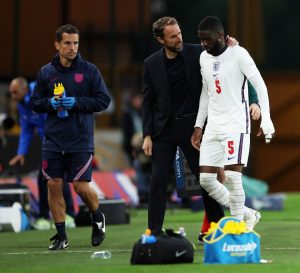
84, 82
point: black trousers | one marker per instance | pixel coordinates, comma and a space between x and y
177, 132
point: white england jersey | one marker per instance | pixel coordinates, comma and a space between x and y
225, 89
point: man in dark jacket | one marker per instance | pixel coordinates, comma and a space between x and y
172, 87
70, 90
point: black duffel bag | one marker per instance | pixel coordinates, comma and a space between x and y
170, 247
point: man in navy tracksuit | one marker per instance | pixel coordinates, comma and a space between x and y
30, 121
68, 145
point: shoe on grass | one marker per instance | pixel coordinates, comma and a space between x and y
253, 220
59, 243
200, 238
98, 232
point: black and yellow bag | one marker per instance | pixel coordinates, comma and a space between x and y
170, 247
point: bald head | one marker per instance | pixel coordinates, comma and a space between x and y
18, 88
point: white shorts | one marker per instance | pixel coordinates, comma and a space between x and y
221, 150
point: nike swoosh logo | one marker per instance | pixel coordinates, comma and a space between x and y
99, 225
215, 75
229, 158
65, 245
180, 253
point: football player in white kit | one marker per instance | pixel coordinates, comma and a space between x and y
224, 103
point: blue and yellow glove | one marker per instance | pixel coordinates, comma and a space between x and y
68, 102
55, 103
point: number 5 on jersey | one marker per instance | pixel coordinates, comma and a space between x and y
230, 145
218, 87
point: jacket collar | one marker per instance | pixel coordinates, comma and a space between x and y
57, 64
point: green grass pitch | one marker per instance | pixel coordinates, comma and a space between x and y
27, 251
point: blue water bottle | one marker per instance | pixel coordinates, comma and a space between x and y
59, 92
147, 238
62, 112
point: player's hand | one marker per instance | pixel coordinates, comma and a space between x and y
267, 129
231, 41
196, 138
254, 111
147, 146
17, 159
68, 102
55, 103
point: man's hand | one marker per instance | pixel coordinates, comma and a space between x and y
254, 110
267, 129
147, 146
16, 159
55, 103
68, 102
231, 41
268, 137
196, 138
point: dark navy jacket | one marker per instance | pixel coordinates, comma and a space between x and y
29, 121
84, 82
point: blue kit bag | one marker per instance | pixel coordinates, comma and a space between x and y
230, 242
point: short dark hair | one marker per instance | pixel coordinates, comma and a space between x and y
159, 25
211, 23
70, 29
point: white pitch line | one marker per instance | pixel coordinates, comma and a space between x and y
282, 248
113, 251
62, 251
